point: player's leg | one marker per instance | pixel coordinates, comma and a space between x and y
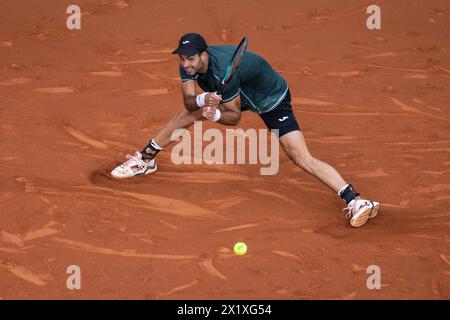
293, 142
359, 210
182, 120
295, 147
143, 162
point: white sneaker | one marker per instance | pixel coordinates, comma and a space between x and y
360, 211
134, 166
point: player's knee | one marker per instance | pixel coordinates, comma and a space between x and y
309, 163
303, 160
188, 117
235, 121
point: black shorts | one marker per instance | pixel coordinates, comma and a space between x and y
281, 118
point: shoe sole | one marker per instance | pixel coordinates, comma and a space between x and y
151, 170
374, 211
360, 218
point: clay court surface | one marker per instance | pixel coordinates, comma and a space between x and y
373, 103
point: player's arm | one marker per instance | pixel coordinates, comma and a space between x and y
188, 91
191, 101
230, 112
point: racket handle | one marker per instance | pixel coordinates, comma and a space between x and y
220, 89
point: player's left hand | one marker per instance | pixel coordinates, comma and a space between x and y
209, 112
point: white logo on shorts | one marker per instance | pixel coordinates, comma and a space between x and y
284, 118
186, 42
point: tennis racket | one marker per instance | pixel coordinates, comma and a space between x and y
234, 64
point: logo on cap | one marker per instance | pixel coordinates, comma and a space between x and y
190, 44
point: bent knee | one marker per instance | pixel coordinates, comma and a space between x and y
305, 161
308, 164
188, 117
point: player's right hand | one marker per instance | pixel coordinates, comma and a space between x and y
212, 100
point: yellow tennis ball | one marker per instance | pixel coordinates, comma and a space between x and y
240, 248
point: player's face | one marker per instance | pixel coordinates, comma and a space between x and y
191, 64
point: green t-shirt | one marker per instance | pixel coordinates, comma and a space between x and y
260, 87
